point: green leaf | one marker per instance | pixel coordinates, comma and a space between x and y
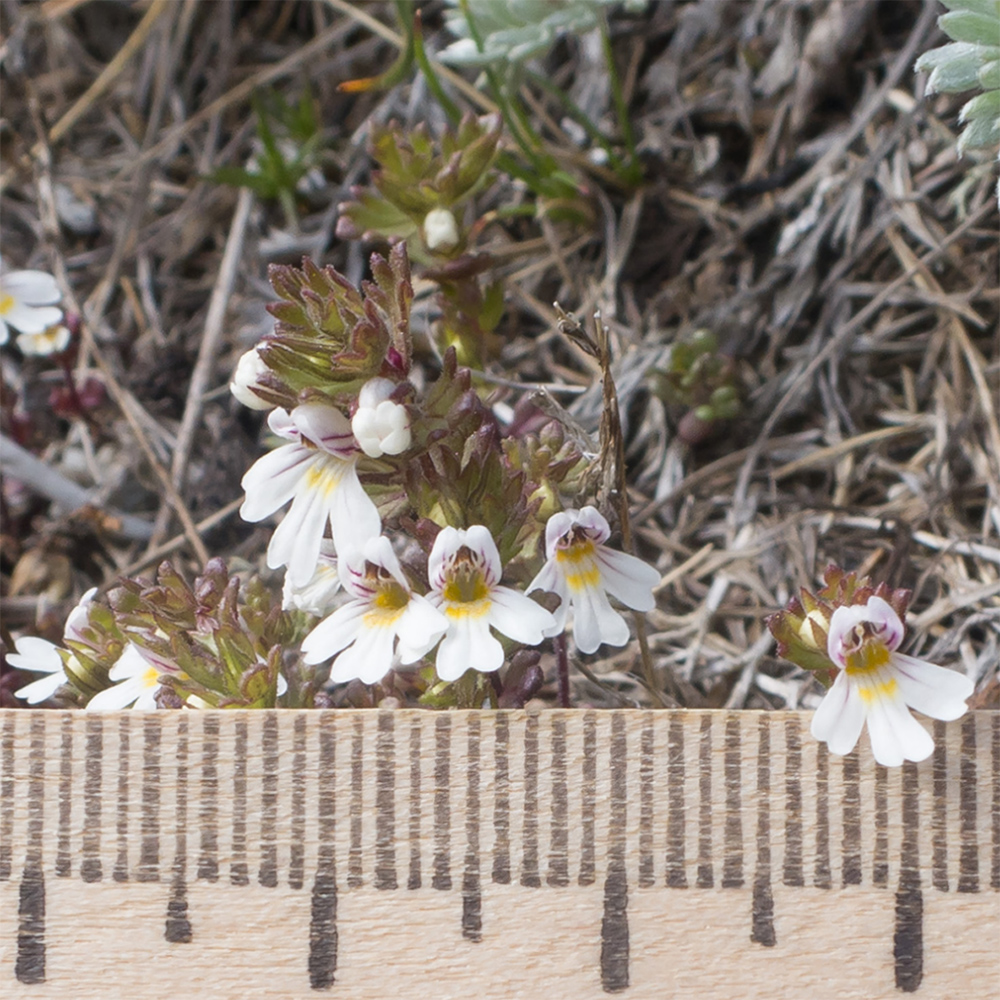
989, 75
953, 68
965, 26
988, 8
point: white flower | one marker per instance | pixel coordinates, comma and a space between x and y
317, 595
877, 684
381, 426
41, 657
384, 610
52, 340
464, 570
317, 473
440, 229
26, 299
247, 375
135, 683
582, 570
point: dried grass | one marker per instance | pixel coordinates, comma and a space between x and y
806, 212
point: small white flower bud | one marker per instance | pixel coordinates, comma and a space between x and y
806, 633
380, 426
440, 230
249, 369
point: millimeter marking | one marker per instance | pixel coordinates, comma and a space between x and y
499, 810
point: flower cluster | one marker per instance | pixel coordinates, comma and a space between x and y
849, 633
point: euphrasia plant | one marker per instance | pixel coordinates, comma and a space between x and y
848, 635
412, 534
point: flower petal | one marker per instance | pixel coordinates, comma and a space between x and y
519, 617
419, 628
115, 698
628, 578
369, 659
596, 622
42, 689
37, 655
354, 518
327, 428
840, 717
480, 542
335, 632
844, 619
273, 480
36, 288
896, 736
882, 613
468, 645
935, 691
32, 319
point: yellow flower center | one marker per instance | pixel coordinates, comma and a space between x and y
864, 650
579, 565
6, 303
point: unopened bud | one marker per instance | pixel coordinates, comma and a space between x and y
249, 370
381, 426
440, 230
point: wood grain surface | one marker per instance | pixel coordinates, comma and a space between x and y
567, 854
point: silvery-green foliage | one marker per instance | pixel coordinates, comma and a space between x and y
972, 60
515, 30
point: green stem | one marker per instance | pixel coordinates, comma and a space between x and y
621, 107
420, 54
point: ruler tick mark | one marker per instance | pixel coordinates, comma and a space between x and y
297, 850
441, 878
268, 873
821, 872
676, 871
29, 965
385, 803
6, 797
851, 870
908, 940
323, 939
705, 877
792, 874
529, 863
149, 849
880, 866
558, 874
208, 817
239, 873
178, 927
732, 865
589, 800
120, 873
968, 857
355, 859
472, 900
614, 925
63, 862
501, 801
647, 877
413, 880
939, 818
762, 917
995, 805
90, 865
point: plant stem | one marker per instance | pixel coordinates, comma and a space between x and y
621, 107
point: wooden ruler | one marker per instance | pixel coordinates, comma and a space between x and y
568, 854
